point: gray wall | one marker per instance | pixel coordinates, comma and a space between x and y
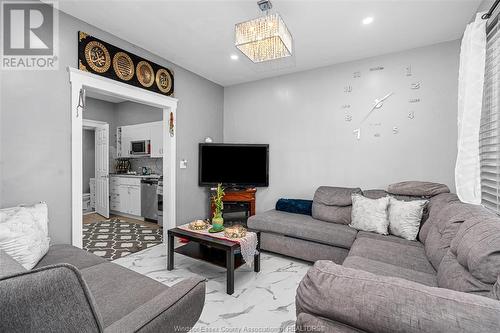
99, 110
131, 113
119, 114
35, 132
301, 117
88, 146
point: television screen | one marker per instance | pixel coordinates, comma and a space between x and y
233, 164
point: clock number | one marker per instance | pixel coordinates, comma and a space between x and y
357, 132
415, 85
408, 70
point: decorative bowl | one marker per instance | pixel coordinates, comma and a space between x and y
198, 225
236, 231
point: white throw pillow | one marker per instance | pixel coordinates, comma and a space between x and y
370, 214
24, 233
405, 217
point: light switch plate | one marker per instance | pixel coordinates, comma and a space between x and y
183, 164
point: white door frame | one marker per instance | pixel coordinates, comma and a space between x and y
95, 126
91, 82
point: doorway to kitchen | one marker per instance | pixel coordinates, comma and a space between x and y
141, 157
128, 173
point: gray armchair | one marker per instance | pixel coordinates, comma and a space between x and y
63, 298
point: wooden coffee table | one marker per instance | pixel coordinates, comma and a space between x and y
216, 251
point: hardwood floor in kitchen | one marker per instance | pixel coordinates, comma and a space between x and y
94, 217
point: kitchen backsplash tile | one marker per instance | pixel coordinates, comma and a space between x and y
155, 164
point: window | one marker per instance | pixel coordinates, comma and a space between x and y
489, 135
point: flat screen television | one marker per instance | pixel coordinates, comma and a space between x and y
238, 165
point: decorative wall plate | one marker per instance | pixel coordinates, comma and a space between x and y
97, 56
123, 66
163, 80
145, 74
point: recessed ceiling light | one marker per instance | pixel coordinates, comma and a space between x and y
367, 20
234, 57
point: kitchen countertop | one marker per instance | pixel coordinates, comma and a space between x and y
133, 176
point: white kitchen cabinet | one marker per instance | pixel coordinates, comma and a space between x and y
126, 134
134, 200
125, 195
124, 149
156, 130
123, 201
138, 132
119, 144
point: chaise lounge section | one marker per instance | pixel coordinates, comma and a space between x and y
71, 290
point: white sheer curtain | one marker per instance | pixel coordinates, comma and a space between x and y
470, 97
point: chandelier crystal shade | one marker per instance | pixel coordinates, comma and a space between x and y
264, 38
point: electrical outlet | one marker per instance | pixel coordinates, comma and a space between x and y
183, 164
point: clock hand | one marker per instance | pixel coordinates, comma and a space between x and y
378, 105
368, 114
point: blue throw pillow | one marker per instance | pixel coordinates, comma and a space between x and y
296, 206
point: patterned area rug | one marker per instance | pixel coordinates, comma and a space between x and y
115, 239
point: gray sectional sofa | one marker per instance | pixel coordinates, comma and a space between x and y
446, 281
71, 290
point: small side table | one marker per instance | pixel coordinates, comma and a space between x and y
216, 251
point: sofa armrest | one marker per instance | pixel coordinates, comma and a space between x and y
385, 304
176, 309
49, 299
307, 323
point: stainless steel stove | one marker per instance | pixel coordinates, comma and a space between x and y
159, 193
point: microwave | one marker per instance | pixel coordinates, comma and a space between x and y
142, 147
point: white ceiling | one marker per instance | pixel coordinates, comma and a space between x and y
198, 35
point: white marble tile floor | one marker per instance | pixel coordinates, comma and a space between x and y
262, 302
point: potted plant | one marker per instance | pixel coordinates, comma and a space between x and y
217, 220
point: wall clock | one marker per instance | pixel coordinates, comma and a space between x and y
367, 115
378, 104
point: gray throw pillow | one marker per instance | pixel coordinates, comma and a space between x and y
405, 217
370, 214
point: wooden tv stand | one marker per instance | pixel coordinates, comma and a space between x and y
246, 195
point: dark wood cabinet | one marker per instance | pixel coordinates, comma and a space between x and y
237, 200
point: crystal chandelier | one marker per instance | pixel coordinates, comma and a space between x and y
264, 38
